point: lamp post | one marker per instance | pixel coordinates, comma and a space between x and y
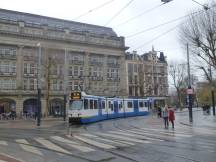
65, 84
39, 87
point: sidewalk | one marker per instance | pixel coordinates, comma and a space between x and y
31, 123
200, 119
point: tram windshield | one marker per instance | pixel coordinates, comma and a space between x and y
76, 105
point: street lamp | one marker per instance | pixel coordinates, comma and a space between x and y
39, 86
65, 84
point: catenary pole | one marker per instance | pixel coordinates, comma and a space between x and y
190, 103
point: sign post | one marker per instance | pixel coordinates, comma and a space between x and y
190, 103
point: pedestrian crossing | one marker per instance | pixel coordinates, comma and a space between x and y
88, 142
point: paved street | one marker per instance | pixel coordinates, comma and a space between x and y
139, 139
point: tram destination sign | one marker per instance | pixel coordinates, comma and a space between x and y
75, 95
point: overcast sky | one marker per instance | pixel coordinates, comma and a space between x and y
155, 14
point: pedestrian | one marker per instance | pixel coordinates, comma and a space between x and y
171, 116
159, 112
165, 116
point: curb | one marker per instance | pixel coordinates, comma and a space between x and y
187, 124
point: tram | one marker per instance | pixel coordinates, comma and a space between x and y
85, 108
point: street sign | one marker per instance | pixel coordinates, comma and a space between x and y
189, 91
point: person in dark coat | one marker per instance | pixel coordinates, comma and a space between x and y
171, 116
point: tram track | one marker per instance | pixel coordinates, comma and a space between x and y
129, 126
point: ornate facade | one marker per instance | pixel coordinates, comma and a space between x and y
61, 55
147, 74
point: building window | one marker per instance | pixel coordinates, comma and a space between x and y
76, 72
7, 51
81, 71
30, 68
70, 85
7, 84
70, 71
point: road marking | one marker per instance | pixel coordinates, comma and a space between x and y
173, 133
155, 135
72, 144
95, 143
51, 145
123, 138
107, 140
3, 143
23, 142
9, 158
134, 134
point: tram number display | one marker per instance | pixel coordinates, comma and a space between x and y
76, 95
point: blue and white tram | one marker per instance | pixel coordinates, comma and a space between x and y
88, 108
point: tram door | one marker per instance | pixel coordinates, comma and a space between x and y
116, 107
100, 107
136, 106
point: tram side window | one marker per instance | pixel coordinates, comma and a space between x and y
109, 103
112, 107
85, 104
91, 104
120, 105
141, 104
103, 104
129, 104
146, 104
95, 104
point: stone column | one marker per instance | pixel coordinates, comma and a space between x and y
123, 77
19, 68
19, 105
105, 86
86, 78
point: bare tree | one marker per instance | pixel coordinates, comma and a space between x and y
199, 31
178, 73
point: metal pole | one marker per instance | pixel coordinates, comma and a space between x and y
65, 83
212, 91
189, 87
39, 88
39, 107
213, 102
65, 100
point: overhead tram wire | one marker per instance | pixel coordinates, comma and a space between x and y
166, 32
171, 29
96, 8
168, 22
118, 12
139, 15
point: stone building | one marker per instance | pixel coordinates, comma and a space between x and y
147, 75
60, 55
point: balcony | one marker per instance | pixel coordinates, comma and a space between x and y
95, 63
30, 75
96, 78
114, 65
75, 62
7, 74
8, 57
113, 79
